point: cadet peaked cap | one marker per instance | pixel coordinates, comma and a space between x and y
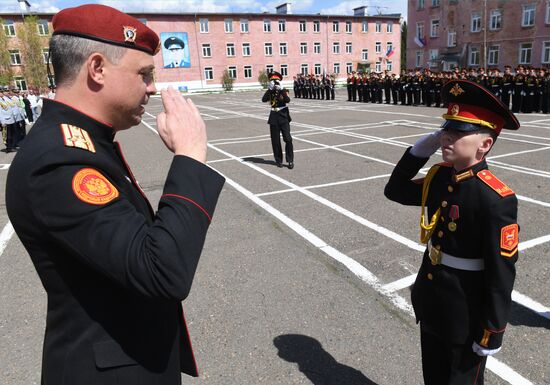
274, 75
173, 41
108, 25
472, 107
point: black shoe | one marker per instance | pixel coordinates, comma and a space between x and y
280, 165
291, 165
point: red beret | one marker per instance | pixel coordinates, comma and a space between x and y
107, 25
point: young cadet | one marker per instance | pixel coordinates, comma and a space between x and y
462, 294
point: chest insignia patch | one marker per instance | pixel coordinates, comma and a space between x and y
77, 137
92, 187
509, 240
495, 183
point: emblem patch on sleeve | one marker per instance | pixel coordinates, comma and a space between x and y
509, 240
92, 187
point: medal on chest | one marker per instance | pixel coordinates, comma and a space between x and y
454, 214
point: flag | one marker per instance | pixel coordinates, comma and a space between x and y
390, 52
419, 41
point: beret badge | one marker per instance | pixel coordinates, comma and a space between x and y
130, 34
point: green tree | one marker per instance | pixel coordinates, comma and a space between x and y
263, 78
6, 72
227, 81
404, 45
34, 68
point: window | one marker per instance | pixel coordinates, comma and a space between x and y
525, 50
208, 73
303, 26
389, 27
316, 26
303, 48
304, 69
268, 49
230, 49
451, 38
389, 65
282, 49
284, 69
348, 27
317, 69
336, 68
228, 25
42, 26
244, 25
548, 12
419, 59
474, 56
246, 49
336, 48
364, 55
546, 52
434, 55
282, 25
434, 29
204, 25
378, 66
420, 30
335, 26
528, 18
365, 26
378, 27
435, 3
496, 19
378, 47
493, 54
267, 25
9, 28
419, 5
247, 72
316, 48
476, 22
348, 48
349, 68
20, 83
269, 68
232, 72
46, 55
206, 50
15, 57
389, 47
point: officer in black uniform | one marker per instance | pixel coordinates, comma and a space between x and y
507, 86
518, 84
279, 120
462, 294
115, 271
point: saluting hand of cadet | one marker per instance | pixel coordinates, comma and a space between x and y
181, 126
427, 145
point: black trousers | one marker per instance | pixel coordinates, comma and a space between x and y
12, 135
448, 364
276, 130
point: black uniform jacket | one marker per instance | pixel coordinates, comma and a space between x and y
278, 100
458, 304
114, 271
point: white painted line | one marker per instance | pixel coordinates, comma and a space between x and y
530, 200
5, 166
5, 236
527, 302
505, 372
533, 242
400, 284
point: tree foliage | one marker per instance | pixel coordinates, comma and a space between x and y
404, 45
6, 72
34, 68
227, 81
263, 78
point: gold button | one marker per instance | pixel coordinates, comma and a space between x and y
450, 188
430, 276
442, 219
444, 204
438, 247
440, 234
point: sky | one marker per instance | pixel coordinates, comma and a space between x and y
248, 6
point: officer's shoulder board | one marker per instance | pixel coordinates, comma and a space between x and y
76, 137
493, 182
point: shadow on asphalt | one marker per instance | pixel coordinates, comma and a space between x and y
520, 315
259, 160
316, 363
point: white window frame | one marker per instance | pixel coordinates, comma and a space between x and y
434, 28
282, 25
204, 27
389, 65
336, 68
316, 26
336, 26
302, 26
20, 83
317, 69
378, 27
475, 22
349, 68
525, 53
336, 48
433, 54
42, 27
303, 48
420, 30
419, 59
267, 26
230, 49
389, 27
316, 48
9, 28
378, 66
545, 52
15, 57
206, 50
451, 39
269, 68
349, 48
245, 28
283, 49
495, 20
228, 25
436, 3
378, 47
474, 56
419, 5
232, 70
349, 26
364, 54
247, 70
208, 73
548, 12
528, 15
284, 69
247, 51
268, 49
304, 69
365, 26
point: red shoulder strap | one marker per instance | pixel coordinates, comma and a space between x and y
493, 182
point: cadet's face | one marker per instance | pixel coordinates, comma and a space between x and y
461, 148
129, 87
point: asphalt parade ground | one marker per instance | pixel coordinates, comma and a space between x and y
305, 274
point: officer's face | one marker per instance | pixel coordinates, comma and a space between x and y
464, 149
129, 85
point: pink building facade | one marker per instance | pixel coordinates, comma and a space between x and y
485, 33
198, 48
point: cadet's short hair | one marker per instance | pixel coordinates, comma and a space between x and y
68, 54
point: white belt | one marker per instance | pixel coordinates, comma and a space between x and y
438, 257
277, 109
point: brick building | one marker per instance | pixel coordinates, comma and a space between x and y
245, 44
478, 33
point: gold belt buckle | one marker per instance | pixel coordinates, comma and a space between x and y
435, 256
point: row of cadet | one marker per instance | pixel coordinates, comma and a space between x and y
314, 86
525, 90
16, 111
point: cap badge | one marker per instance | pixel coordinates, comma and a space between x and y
130, 34
456, 90
455, 110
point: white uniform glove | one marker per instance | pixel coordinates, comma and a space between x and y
427, 145
482, 351
271, 85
